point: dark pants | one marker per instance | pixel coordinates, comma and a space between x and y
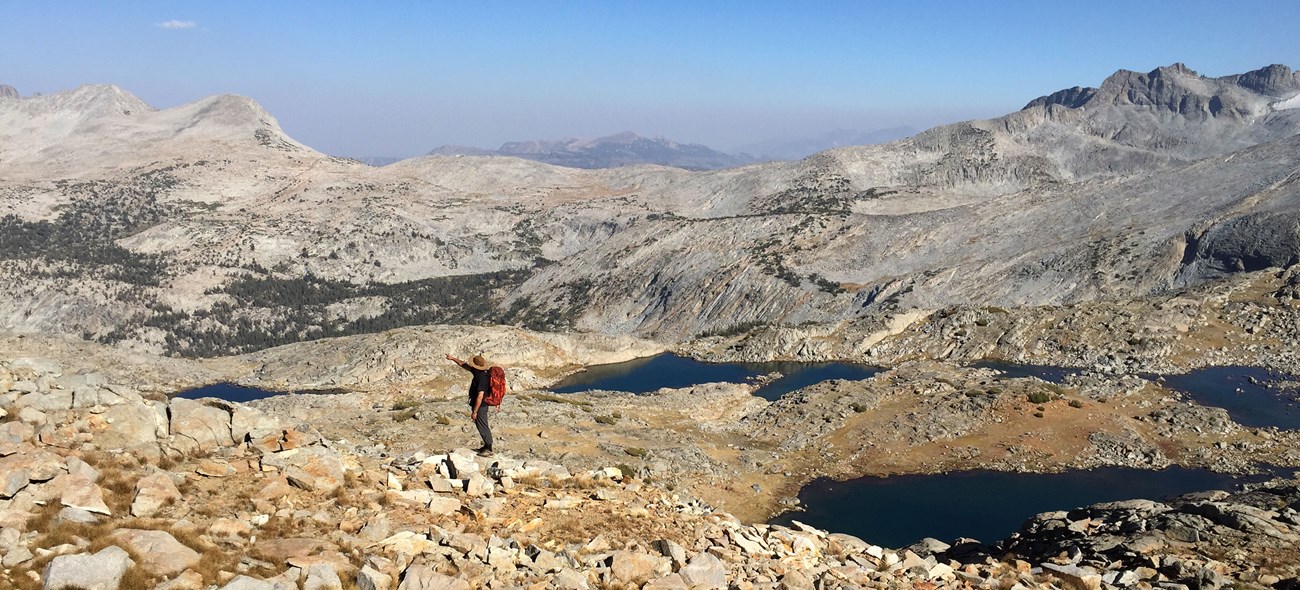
484, 429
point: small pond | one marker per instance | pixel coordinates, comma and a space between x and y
648, 374
1015, 371
985, 505
229, 392
1243, 392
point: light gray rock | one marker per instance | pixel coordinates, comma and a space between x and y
131, 425
160, 553
705, 572
673, 551
82, 493
634, 567
76, 516
794, 579
16, 556
187, 580
248, 583
369, 578
16, 432
443, 505
30, 366
34, 417
487, 507
568, 579
313, 468
423, 577
13, 480
544, 561
101, 571
88, 396
76, 466
196, 426
153, 492
478, 485
376, 529
24, 388
54, 401
1074, 576
322, 577
669, 582
442, 485
251, 424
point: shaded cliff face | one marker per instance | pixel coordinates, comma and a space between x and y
203, 229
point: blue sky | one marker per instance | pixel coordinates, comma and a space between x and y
400, 78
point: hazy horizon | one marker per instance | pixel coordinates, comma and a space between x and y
400, 80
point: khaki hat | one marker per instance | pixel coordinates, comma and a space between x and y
478, 362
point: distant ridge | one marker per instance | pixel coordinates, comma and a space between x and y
1179, 89
613, 151
798, 148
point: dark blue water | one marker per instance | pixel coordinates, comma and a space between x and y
229, 392
985, 505
1014, 371
669, 370
1248, 404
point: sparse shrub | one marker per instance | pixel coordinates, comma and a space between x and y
1039, 397
637, 452
559, 399
405, 404
1038, 414
973, 393
606, 420
858, 408
1060, 391
405, 415
981, 322
443, 420
995, 391
1074, 403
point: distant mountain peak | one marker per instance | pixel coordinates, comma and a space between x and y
95, 100
1180, 89
7, 91
1272, 80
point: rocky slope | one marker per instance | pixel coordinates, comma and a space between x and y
106, 483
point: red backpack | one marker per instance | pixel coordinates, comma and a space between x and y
496, 386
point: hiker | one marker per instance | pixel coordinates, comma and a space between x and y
478, 391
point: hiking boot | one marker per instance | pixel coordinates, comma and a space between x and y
484, 452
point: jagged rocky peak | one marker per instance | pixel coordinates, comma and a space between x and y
1071, 97
1180, 89
7, 91
1275, 80
1167, 86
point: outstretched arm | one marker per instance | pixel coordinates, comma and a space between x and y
462, 364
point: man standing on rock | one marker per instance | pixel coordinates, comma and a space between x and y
478, 390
